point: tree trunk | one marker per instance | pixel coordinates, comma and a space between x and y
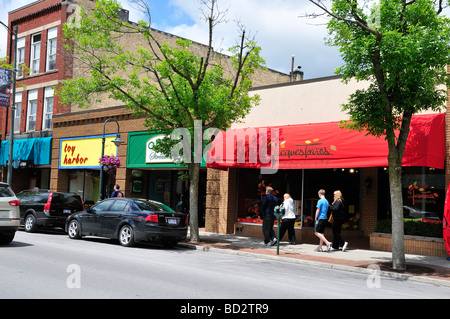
194, 176
395, 183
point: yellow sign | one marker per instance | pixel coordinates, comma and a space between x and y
84, 152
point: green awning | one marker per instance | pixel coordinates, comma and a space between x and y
38, 150
141, 155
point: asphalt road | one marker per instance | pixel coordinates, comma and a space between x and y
50, 265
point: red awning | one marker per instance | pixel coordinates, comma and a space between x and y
325, 145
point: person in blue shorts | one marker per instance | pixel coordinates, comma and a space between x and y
321, 220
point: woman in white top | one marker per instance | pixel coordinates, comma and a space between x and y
287, 223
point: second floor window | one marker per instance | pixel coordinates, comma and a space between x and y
48, 109
51, 49
35, 53
32, 110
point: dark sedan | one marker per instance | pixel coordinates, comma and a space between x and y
129, 220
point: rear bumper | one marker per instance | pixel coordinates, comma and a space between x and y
8, 229
161, 234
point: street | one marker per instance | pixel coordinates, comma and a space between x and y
50, 265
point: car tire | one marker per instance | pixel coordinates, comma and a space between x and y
126, 236
30, 223
73, 230
6, 237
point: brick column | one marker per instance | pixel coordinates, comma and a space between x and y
369, 200
220, 201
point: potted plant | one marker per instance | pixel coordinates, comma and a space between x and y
109, 163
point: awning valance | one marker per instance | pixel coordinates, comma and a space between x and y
325, 145
38, 150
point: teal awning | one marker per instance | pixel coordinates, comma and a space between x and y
38, 150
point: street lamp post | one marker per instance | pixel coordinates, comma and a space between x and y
13, 104
117, 141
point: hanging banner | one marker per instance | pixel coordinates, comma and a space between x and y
5, 87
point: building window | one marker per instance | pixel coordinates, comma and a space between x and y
48, 109
51, 49
20, 57
18, 105
32, 109
35, 53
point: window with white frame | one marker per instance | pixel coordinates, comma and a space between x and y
32, 110
18, 105
51, 48
48, 109
20, 57
35, 53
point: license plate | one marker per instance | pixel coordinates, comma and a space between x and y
67, 211
172, 221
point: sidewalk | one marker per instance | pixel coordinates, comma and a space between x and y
420, 268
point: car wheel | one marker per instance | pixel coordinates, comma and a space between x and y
126, 236
74, 230
30, 223
6, 237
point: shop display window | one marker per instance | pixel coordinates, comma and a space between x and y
252, 184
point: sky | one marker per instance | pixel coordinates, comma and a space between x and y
278, 27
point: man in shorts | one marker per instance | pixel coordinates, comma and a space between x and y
321, 220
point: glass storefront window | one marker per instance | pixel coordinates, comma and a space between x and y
423, 191
252, 185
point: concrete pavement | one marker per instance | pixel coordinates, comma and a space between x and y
420, 268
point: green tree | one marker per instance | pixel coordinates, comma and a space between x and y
401, 47
172, 87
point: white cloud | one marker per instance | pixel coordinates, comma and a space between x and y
276, 25
278, 28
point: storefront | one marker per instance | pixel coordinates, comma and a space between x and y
158, 177
30, 162
81, 156
309, 157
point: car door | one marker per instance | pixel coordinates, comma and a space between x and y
26, 202
91, 222
112, 218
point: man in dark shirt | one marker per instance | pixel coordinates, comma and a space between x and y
117, 192
266, 212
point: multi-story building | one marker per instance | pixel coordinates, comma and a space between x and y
45, 128
41, 67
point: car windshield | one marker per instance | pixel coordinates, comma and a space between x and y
152, 206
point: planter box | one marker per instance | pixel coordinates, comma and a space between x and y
413, 244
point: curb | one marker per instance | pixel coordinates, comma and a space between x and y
324, 265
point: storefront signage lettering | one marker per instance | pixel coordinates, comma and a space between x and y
70, 158
307, 150
154, 157
84, 152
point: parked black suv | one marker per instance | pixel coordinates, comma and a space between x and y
45, 208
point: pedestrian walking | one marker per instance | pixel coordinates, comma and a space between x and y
321, 220
266, 212
288, 220
337, 209
117, 192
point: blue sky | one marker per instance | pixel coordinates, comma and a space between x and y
275, 24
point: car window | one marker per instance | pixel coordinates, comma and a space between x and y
120, 206
25, 196
145, 205
5, 191
100, 207
42, 197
